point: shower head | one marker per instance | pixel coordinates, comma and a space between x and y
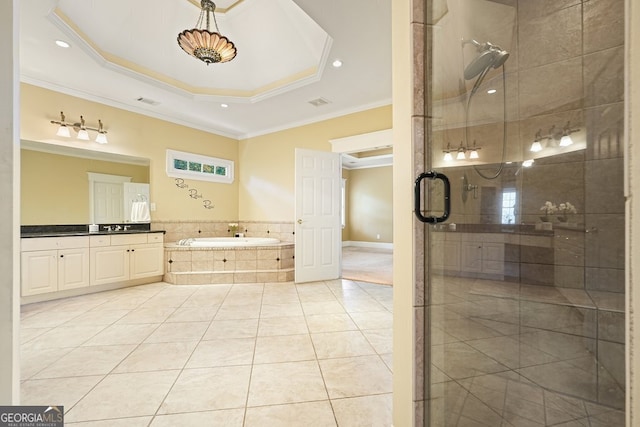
489, 56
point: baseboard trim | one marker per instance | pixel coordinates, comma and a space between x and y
376, 245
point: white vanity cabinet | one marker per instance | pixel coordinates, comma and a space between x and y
123, 257
54, 267
51, 264
483, 257
446, 252
470, 253
482, 253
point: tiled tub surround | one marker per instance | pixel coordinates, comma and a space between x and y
200, 266
178, 230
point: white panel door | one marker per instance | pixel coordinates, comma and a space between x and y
318, 232
108, 203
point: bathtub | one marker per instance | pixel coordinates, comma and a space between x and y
227, 242
228, 260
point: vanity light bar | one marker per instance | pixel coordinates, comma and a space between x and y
80, 128
461, 152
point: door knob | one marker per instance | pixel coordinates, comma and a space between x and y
299, 221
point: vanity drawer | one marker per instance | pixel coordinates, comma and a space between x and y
155, 238
51, 243
128, 239
97, 241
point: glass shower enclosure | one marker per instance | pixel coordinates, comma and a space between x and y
524, 264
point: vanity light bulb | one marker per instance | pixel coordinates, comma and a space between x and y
461, 155
83, 135
448, 157
101, 138
63, 130
566, 141
473, 154
536, 146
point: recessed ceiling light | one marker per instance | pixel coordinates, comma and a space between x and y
62, 43
224, 105
337, 63
491, 91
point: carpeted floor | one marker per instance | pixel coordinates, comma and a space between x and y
367, 265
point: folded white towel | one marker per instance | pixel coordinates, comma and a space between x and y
144, 214
140, 212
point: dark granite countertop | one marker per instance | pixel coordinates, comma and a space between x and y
66, 230
86, 233
521, 229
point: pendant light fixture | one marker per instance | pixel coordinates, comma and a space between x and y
208, 46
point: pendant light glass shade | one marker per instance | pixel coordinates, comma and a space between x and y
208, 46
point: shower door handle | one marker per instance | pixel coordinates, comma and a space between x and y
447, 197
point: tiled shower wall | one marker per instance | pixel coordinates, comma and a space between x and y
177, 230
566, 64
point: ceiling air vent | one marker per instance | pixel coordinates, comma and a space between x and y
147, 101
318, 102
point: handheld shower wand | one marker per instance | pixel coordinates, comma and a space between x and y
489, 56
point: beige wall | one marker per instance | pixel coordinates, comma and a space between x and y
137, 135
264, 175
55, 188
266, 190
369, 207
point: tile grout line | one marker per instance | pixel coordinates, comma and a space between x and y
153, 417
315, 352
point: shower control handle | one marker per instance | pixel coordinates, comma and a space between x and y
447, 197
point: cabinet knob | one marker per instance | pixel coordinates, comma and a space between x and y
61, 256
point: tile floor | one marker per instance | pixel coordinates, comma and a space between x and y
507, 354
272, 355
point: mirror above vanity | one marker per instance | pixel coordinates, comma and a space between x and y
56, 183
